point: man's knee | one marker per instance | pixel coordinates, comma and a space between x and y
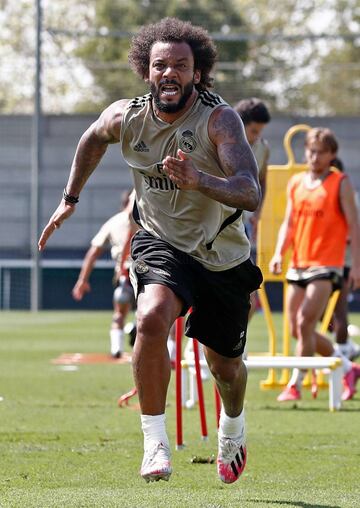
157, 309
305, 321
118, 320
225, 370
152, 321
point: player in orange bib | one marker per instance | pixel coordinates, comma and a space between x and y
320, 214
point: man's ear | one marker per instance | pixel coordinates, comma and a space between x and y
197, 77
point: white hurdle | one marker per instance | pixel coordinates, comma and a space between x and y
329, 365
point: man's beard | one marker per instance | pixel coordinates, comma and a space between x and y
165, 107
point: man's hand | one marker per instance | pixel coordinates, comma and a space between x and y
354, 278
80, 289
275, 265
182, 171
63, 211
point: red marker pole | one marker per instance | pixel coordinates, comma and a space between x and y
178, 340
204, 433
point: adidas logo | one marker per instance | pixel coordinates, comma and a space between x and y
141, 147
240, 343
238, 466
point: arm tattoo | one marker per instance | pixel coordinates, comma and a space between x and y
240, 186
227, 126
89, 153
239, 191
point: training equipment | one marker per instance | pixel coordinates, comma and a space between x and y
156, 462
124, 399
328, 365
123, 293
189, 383
179, 382
353, 330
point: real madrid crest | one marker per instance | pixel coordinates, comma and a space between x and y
187, 141
141, 266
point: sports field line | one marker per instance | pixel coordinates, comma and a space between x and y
74, 358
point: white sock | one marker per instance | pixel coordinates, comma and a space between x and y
231, 427
171, 345
347, 364
154, 429
116, 340
297, 377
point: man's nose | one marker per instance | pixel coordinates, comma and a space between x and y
169, 71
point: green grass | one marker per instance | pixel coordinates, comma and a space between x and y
65, 443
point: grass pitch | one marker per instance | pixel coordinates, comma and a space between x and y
65, 443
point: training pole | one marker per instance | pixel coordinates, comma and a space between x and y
204, 433
217, 404
178, 341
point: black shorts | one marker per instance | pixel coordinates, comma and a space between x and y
219, 300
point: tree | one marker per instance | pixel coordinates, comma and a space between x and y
301, 56
106, 57
306, 59
16, 55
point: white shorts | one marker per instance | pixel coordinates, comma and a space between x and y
303, 276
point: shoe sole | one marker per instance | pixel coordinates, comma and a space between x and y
155, 477
117, 355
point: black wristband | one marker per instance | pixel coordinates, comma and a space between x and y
70, 199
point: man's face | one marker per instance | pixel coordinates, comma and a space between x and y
253, 131
318, 156
171, 75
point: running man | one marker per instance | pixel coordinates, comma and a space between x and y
320, 213
116, 233
194, 173
340, 323
255, 116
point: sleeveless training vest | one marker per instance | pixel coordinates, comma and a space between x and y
319, 225
207, 230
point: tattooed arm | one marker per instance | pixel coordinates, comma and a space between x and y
89, 152
240, 185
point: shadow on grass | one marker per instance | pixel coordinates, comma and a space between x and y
295, 407
300, 504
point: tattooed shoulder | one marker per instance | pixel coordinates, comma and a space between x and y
226, 124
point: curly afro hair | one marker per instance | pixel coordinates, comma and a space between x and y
174, 30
